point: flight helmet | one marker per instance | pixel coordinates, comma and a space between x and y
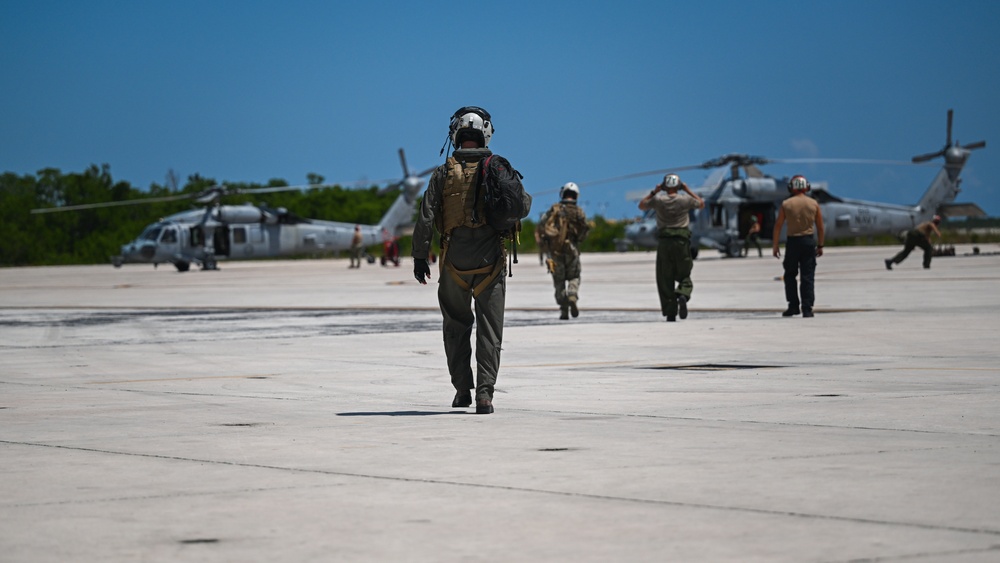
672, 181
936, 219
798, 184
569, 188
470, 122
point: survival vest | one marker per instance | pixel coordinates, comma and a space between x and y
460, 206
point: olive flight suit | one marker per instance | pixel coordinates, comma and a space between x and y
673, 253
472, 269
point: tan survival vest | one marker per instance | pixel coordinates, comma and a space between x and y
457, 201
457, 198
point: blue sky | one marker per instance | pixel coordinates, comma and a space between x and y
253, 90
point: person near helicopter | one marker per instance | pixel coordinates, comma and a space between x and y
802, 246
918, 236
472, 265
753, 237
357, 247
390, 248
560, 230
673, 253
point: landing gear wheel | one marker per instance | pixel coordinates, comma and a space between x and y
733, 248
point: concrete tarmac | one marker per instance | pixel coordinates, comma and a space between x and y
300, 411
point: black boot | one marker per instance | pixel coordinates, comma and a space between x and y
462, 399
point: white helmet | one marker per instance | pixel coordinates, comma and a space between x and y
798, 184
470, 122
569, 187
671, 181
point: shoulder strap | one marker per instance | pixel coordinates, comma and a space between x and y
480, 179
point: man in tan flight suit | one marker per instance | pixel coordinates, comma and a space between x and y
801, 247
560, 231
918, 236
357, 247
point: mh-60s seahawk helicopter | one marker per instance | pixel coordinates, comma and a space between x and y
234, 232
731, 204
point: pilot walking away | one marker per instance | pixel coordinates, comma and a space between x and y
561, 230
753, 237
673, 253
918, 236
473, 261
803, 245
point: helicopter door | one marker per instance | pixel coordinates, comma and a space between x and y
764, 212
220, 240
719, 215
197, 236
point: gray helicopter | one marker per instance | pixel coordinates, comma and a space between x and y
732, 203
234, 232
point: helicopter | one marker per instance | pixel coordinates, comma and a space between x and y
216, 232
732, 203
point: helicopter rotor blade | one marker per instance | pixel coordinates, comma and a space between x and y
402, 160
639, 175
839, 161
947, 142
976, 145
111, 204
390, 187
929, 156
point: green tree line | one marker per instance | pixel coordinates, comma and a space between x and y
92, 236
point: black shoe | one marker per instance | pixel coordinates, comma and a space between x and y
462, 399
888, 263
484, 406
563, 314
790, 312
671, 318
682, 307
573, 310
806, 313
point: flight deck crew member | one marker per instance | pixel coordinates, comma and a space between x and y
918, 236
753, 236
673, 254
472, 264
561, 230
357, 247
801, 247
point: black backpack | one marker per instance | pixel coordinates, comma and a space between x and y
504, 200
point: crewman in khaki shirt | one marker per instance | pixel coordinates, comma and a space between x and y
802, 246
918, 236
673, 253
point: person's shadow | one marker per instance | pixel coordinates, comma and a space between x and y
400, 413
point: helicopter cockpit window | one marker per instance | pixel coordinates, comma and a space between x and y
151, 233
169, 236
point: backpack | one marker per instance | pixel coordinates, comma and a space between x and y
555, 227
504, 200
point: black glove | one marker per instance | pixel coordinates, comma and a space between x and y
421, 270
